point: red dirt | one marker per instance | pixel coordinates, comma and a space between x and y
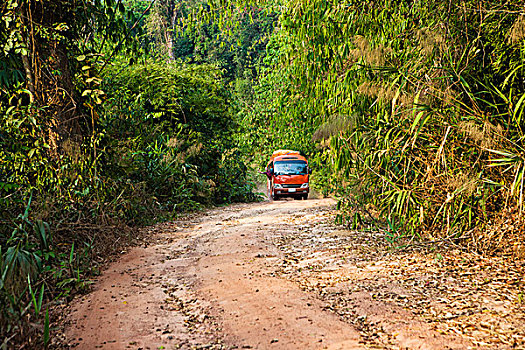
261, 276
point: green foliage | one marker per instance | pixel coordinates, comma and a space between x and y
30, 275
161, 144
169, 129
417, 108
88, 141
238, 49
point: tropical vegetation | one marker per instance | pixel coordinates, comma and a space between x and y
415, 106
119, 113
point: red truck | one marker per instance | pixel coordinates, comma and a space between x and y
288, 175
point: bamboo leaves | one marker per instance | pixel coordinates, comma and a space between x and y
517, 114
515, 163
428, 104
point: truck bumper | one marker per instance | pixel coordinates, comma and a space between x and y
291, 191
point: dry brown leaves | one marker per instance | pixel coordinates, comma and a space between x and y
470, 300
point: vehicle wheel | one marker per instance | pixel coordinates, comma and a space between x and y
305, 196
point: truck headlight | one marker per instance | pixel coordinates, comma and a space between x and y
277, 186
305, 185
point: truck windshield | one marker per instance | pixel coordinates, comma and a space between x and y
290, 167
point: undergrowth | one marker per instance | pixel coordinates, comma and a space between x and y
161, 146
410, 112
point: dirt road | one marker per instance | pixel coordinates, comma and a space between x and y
271, 276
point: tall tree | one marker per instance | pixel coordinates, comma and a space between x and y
54, 45
161, 25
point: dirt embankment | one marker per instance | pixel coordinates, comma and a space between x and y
281, 276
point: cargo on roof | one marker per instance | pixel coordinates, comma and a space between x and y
282, 152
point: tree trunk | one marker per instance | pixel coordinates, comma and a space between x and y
55, 91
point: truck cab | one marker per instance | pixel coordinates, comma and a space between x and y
288, 175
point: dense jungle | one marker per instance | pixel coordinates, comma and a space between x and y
119, 114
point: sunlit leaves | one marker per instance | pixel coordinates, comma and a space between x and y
432, 86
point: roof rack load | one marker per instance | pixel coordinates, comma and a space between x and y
282, 152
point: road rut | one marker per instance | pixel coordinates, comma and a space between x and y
212, 284
281, 275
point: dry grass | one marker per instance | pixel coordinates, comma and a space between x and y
193, 150
376, 90
517, 32
334, 125
462, 183
504, 236
485, 136
375, 56
389, 95
174, 142
430, 40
